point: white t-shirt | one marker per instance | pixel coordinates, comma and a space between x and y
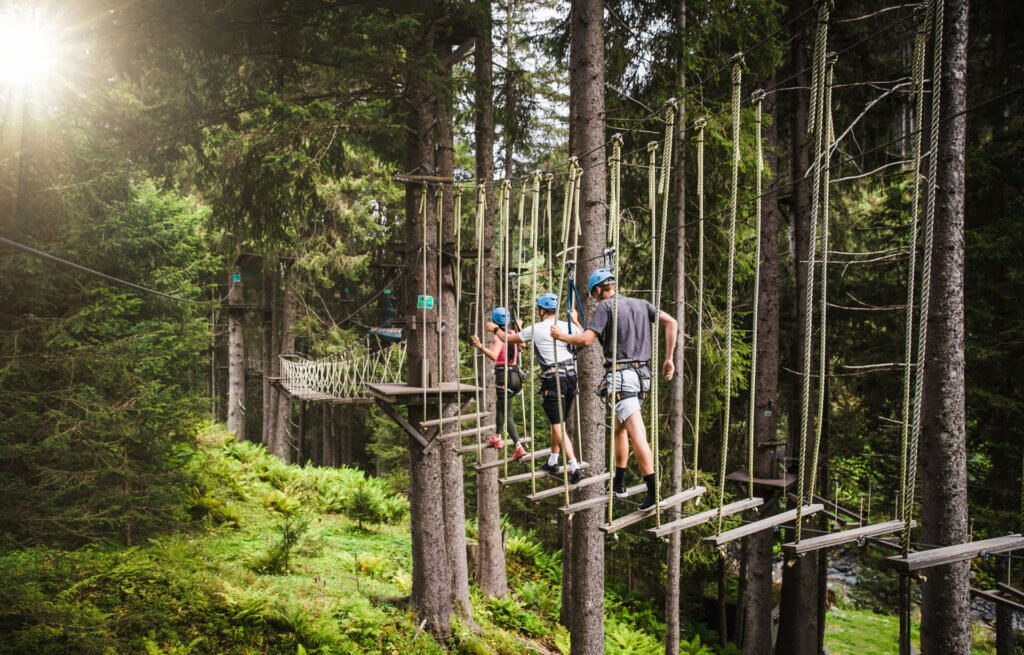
540, 335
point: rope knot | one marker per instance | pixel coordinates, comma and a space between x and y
700, 124
652, 146
757, 96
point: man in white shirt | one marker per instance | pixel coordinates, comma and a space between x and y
557, 380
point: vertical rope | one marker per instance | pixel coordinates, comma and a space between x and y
570, 187
548, 177
819, 418
926, 262
666, 168
920, 41
481, 210
423, 250
519, 292
821, 42
699, 125
613, 212
758, 98
438, 324
457, 275
652, 199
506, 203
737, 78
534, 217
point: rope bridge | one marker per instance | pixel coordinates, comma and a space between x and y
342, 377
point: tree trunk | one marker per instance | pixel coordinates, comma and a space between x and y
677, 404
490, 564
236, 360
1005, 637
271, 364
281, 444
586, 91
945, 598
757, 603
798, 622
432, 578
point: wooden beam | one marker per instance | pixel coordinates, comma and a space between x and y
525, 477
453, 419
403, 423
537, 454
997, 599
694, 520
958, 553
555, 491
471, 448
635, 517
572, 508
767, 523
419, 179
1010, 591
742, 477
858, 535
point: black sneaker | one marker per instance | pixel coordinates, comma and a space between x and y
576, 476
619, 487
550, 469
648, 503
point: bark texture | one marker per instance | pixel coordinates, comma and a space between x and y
236, 360
281, 445
271, 365
756, 606
490, 563
586, 89
945, 599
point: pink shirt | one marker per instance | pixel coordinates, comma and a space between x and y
500, 361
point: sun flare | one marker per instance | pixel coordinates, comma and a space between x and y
28, 49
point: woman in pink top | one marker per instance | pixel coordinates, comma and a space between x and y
504, 371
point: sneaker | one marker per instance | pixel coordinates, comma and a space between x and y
648, 503
576, 476
495, 441
519, 453
619, 487
550, 469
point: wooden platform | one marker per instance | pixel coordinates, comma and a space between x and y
781, 483
635, 517
525, 477
701, 518
958, 553
767, 523
560, 489
572, 508
404, 394
536, 454
842, 537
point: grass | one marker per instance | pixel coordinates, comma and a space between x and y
863, 632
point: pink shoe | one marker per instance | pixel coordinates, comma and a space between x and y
495, 442
519, 454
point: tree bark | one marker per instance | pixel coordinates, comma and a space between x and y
677, 405
236, 360
281, 444
798, 623
490, 563
271, 365
757, 602
586, 92
945, 598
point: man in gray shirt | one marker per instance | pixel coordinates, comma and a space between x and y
628, 373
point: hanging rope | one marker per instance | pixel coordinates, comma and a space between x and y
817, 101
457, 274
613, 211
550, 261
481, 210
663, 184
737, 78
439, 316
652, 199
699, 125
517, 276
506, 255
920, 45
926, 264
534, 218
829, 136
423, 334
758, 98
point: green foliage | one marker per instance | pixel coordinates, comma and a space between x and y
367, 503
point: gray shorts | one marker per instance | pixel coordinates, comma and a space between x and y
629, 381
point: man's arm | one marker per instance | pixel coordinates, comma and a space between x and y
671, 326
512, 338
584, 338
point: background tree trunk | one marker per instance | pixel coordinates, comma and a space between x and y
271, 365
586, 90
490, 563
236, 359
757, 604
281, 445
945, 599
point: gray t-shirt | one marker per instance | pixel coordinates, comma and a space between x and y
634, 323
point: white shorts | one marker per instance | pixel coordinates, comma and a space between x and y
627, 380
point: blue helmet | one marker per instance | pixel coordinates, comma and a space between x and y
599, 276
500, 316
548, 301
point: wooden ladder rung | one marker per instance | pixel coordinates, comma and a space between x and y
471, 448
764, 524
842, 537
483, 429
572, 508
554, 491
701, 518
957, 553
641, 514
525, 477
429, 423
544, 452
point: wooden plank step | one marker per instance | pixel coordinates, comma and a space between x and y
525, 477
958, 553
842, 537
1012, 592
560, 489
635, 517
483, 429
694, 520
429, 423
996, 598
536, 454
471, 448
764, 524
788, 480
599, 500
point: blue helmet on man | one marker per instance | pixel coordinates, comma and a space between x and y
548, 301
600, 276
500, 316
